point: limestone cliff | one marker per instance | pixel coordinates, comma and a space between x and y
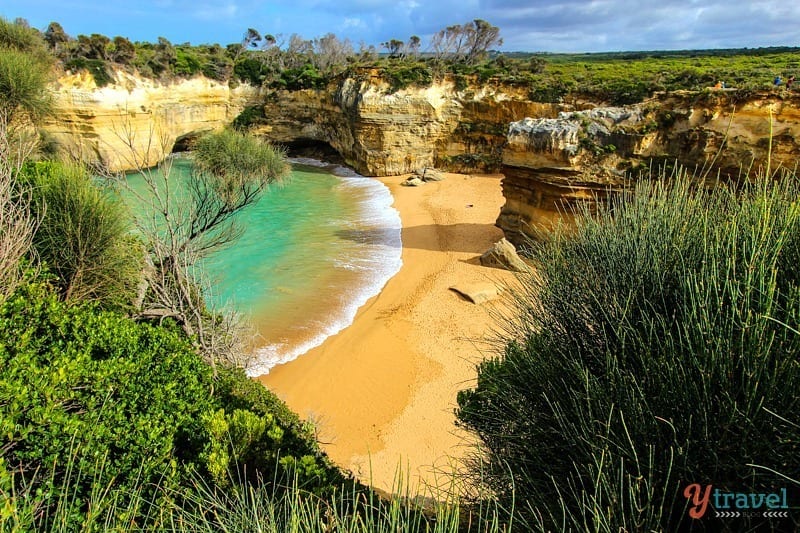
379, 132
134, 122
552, 164
554, 156
376, 131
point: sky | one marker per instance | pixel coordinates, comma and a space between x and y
525, 25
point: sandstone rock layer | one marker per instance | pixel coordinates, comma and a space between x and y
136, 123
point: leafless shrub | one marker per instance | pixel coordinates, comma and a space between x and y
17, 221
182, 221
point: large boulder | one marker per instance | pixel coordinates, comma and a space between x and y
503, 254
429, 174
413, 181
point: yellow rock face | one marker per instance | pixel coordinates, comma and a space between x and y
383, 133
135, 122
553, 164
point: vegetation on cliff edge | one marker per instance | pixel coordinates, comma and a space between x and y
462, 52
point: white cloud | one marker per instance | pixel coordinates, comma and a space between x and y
211, 12
353, 22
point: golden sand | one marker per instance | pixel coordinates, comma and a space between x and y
382, 392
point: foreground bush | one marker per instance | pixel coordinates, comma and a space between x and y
95, 407
84, 235
257, 507
655, 347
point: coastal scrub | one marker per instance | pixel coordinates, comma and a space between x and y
656, 346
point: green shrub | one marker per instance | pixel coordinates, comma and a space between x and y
252, 71
549, 93
19, 37
98, 68
23, 84
187, 63
305, 77
402, 76
235, 158
655, 347
97, 407
284, 446
95, 396
84, 236
218, 67
249, 116
627, 92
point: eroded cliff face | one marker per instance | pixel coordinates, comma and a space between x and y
553, 164
554, 156
135, 123
380, 133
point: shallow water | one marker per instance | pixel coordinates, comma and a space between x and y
314, 249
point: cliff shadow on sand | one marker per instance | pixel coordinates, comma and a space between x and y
434, 237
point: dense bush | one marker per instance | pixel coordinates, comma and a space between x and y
187, 63
305, 77
252, 71
235, 159
655, 347
84, 236
403, 75
249, 116
98, 68
287, 441
96, 396
551, 93
24, 71
111, 408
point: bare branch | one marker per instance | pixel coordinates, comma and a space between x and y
182, 219
18, 223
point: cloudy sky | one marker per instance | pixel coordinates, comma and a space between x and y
527, 25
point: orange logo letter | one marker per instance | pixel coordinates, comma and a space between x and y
692, 492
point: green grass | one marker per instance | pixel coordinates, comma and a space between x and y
624, 78
655, 346
198, 506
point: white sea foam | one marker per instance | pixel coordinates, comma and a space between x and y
373, 250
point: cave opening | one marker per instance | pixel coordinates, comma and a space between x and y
313, 149
186, 143
310, 148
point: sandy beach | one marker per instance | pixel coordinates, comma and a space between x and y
382, 391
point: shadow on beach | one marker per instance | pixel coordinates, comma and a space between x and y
463, 237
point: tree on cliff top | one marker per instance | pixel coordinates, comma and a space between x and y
56, 37
468, 42
481, 36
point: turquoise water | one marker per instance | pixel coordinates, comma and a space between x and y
314, 249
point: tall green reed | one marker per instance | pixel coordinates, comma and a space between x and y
645, 354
